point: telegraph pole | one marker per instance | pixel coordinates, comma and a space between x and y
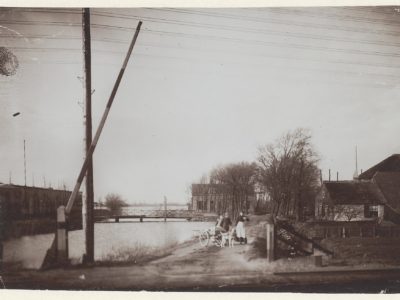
87, 80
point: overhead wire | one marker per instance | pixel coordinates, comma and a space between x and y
248, 30
362, 74
220, 38
327, 15
236, 40
278, 21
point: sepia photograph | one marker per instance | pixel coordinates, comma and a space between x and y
200, 149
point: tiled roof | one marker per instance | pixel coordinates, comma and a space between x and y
389, 184
354, 192
390, 164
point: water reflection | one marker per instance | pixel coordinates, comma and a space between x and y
29, 251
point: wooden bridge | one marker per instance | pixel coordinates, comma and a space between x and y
154, 214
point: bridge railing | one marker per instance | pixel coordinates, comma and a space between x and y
162, 213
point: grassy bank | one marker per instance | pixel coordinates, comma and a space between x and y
140, 254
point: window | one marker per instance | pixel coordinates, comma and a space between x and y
373, 211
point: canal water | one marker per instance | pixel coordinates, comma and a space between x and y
110, 238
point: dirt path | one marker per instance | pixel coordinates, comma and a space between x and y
193, 267
190, 265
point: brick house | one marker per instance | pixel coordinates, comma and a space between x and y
374, 195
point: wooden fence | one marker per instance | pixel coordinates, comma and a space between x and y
343, 229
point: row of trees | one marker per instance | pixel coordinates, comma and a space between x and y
286, 170
237, 181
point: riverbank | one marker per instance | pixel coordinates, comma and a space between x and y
189, 266
113, 241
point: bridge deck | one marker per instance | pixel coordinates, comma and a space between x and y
141, 217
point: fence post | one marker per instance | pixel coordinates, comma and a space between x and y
61, 236
270, 237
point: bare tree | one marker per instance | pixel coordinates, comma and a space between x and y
348, 212
114, 203
288, 171
236, 182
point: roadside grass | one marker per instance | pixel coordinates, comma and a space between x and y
355, 251
139, 254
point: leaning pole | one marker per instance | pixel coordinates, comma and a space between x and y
58, 253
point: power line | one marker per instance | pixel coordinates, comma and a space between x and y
370, 84
321, 13
277, 21
280, 44
258, 42
111, 40
290, 67
218, 15
241, 29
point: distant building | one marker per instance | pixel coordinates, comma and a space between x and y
261, 195
375, 194
26, 210
210, 198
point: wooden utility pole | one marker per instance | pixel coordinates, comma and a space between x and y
100, 127
87, 81
51, 253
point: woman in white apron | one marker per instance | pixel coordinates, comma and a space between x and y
240, 231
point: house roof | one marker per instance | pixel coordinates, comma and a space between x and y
390, 164
354, 192
15, 186
389, 184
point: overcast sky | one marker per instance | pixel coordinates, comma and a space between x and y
204, 87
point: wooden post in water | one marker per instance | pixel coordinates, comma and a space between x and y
62, 237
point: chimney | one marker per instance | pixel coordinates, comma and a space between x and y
329, 175
337, 176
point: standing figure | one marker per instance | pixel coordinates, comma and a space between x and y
240, 231
226, 222
226, 225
